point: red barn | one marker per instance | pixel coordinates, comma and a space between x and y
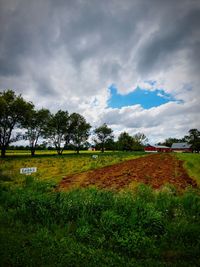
181, 147
157, 148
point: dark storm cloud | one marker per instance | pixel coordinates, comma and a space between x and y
104, 32
66, 53
25, 27
87, 29
44, 87
180, 32
29, 29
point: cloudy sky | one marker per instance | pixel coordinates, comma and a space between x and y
133, 64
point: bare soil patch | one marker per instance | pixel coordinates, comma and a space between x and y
155, 170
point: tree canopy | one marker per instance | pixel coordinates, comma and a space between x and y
103, 134
194, 139
56, 129
35, 124
13, 112
125, 142
79, 130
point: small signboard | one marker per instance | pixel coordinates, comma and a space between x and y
28, 170
94, 156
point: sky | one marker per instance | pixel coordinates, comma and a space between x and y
147, 99
133, 64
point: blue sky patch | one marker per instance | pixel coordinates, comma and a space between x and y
147, 99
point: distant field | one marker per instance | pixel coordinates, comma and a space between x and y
43, 152
53, 167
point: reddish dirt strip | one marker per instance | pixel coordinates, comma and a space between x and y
155, 170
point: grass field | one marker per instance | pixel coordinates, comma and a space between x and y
43, 152
91, 227
54, 168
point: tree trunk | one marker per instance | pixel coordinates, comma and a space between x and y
59, 152
3, 152
102, 148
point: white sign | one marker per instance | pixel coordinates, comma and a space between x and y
28, 170
94, 156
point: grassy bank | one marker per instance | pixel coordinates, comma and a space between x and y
191, 164
90, 227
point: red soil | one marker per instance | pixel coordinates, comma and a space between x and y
155, 170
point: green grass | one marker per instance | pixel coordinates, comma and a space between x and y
43, 152
90, 227
54, 168
191, 164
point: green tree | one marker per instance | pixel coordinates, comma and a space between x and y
125, 142
194, 139
13, 112
103, 135
36, 123
110, 144
78, 131
57, 129
139, 140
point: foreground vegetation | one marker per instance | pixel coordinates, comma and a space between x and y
90, 227
40, 226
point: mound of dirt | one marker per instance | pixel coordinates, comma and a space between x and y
155, 170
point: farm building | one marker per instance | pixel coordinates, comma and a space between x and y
181, 147
157, 148
91, 148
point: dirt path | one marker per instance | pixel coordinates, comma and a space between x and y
155, 170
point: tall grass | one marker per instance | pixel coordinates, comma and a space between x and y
90, 227
191, 164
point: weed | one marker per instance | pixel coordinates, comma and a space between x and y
87, 227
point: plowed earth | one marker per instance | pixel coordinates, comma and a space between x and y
155, 170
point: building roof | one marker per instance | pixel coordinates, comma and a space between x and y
180, 145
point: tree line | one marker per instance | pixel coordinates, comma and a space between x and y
19, 120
